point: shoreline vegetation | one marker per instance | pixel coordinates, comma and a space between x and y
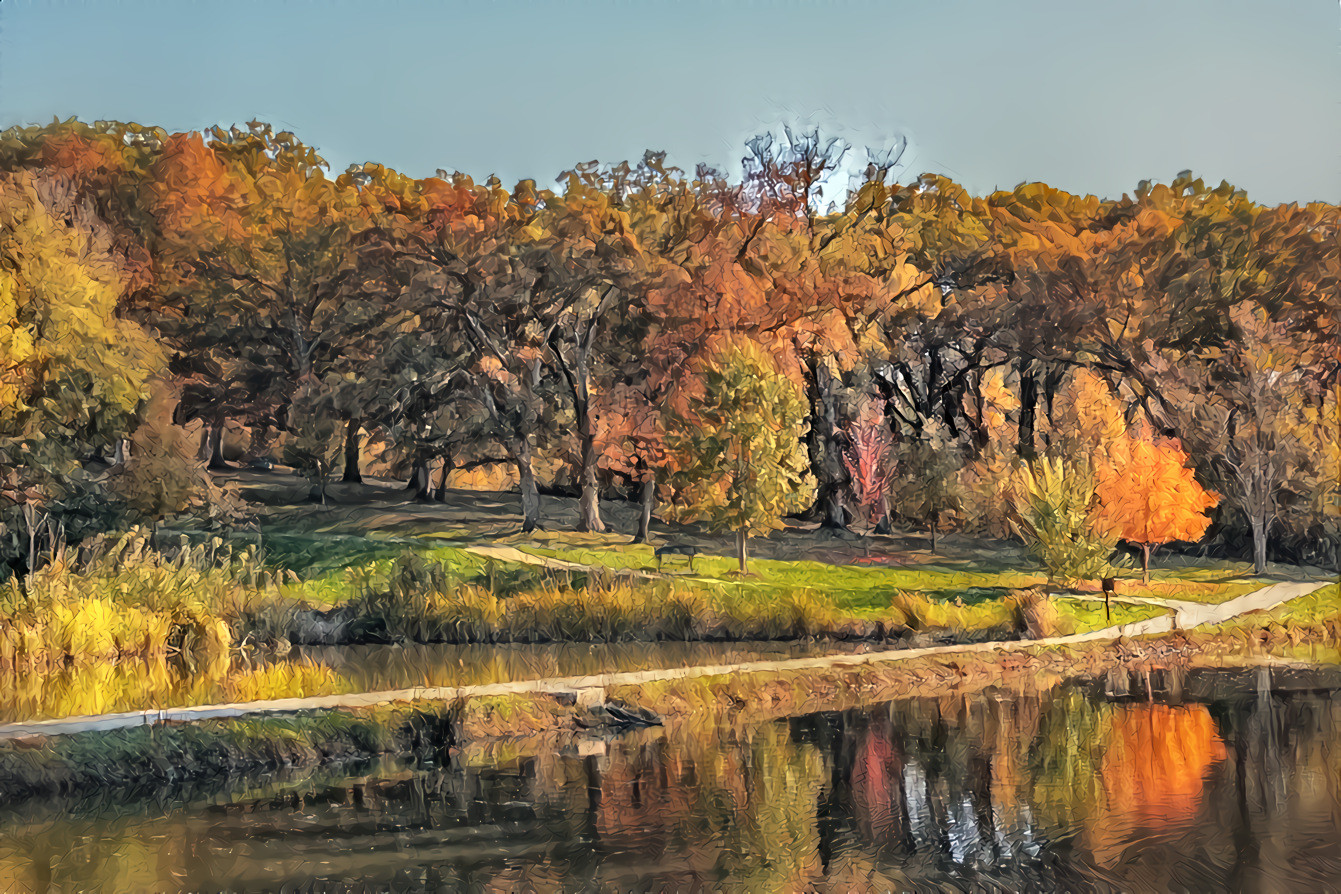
208, 620
133, 762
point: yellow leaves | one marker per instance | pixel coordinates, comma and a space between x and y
58, 308
1088, 418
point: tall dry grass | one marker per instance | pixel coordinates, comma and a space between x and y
119, 598
423, 602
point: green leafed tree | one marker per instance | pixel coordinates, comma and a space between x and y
926, 486
1054, 510
735, 446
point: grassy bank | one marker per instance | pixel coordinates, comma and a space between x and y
429, 599
141, 760
861, 588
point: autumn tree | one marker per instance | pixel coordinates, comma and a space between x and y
1148, 496
477, 242
735, 444
273, 289
72, 371
868, 463
588, 258
1239, 405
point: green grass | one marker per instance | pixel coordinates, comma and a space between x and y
1317, 608
954, 597
1085, 615
848, 587
327, 569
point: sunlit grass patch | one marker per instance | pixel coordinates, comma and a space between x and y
853, 586
1320, 608
1213, 588
1085, 615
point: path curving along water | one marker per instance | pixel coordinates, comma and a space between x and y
1195, 616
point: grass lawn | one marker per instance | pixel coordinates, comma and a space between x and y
325, 568
1317, 607
957, 596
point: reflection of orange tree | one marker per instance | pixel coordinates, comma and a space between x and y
1157, 759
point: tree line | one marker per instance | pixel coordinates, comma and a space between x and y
935, 340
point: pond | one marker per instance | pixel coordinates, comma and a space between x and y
1231, 783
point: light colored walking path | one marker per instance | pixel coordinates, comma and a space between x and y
512, 554
1199, 614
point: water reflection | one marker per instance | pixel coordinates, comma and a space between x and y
105, 687
1237, 786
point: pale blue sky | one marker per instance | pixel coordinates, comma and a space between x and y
1089, 96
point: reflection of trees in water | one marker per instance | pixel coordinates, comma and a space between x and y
935, 789
1283, 788
1050, 792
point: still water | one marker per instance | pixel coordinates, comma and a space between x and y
1234, 784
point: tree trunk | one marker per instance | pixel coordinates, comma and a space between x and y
882, 525
1028, 404
646, 502
741, 551
447, 465
981, 436
1145, 563
421, 479
826, 451
589, 500
1260, 529
203, 452
119, 452
934, 525
352, 475
1052, 382
530, 495
216, 444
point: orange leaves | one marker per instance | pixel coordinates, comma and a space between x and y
1157, 760
191, 189
1148, 495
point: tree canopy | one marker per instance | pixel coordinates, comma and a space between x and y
447, 322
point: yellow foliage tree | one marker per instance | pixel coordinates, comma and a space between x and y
73, 370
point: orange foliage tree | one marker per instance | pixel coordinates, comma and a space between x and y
1148, 496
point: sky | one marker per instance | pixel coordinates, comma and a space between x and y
1090, 96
